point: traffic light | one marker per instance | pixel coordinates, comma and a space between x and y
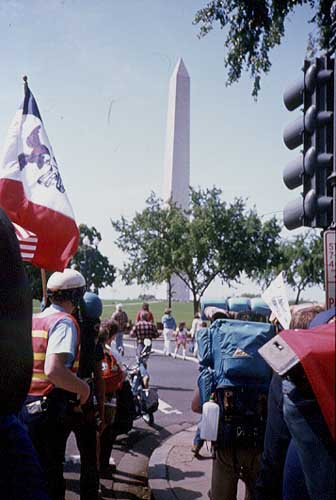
314, 130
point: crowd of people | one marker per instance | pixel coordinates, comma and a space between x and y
67, 369
295, 459
180, 334
72, 379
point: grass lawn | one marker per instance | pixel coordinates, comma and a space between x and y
182, 311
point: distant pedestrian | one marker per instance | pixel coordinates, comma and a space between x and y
169, 326
121, 318
196, 325
145, 308
181, 335
143, 329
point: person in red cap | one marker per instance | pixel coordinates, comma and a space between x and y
309, 410
269, 485
306, 358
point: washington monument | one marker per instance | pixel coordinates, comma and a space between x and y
177, 154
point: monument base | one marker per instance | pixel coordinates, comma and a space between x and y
180, 291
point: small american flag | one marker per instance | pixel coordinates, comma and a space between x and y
27, 242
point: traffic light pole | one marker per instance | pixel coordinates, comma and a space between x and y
329, 239
333, 174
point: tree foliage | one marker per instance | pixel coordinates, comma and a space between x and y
301, 259
266, 274
35, 280
212, 239
150, 240
254, 27
94, 266
303, 262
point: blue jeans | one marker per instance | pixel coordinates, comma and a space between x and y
21, 476
294, 484
317, 463
119, 341
277, 438
197, 438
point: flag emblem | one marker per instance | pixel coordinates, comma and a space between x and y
27, 242
41, 156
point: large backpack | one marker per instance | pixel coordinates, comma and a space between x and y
232, 369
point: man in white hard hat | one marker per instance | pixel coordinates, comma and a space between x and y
55, 389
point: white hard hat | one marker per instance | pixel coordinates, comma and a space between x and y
119, 307
68, 279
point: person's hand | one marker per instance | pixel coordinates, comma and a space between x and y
85, 393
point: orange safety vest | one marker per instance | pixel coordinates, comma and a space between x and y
111, 373
40, 385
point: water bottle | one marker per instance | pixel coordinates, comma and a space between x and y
210, 420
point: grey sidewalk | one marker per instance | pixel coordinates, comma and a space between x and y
175, 474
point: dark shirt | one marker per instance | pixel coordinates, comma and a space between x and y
122, 319
277, 439
91, 352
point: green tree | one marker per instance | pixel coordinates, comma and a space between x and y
253, 28
213, 239
35, 280
222, 240
303, 262
94, 266
150, 240
264, 275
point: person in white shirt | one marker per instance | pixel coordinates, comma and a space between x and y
196, 325
169, 326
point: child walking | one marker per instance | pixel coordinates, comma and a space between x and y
181, 339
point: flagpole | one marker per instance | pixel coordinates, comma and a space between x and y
44, 286
25, 85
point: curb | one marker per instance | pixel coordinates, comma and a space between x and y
157, 467
164, 487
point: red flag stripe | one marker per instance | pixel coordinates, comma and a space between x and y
57, 234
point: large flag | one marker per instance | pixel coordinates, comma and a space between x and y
31, 189
316, 351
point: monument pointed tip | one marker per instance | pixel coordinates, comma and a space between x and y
180, 68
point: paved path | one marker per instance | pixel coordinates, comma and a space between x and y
175, 474
175, 381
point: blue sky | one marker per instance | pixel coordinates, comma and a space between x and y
100, 71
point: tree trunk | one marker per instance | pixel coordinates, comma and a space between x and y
195, 302
169, 292
298, 295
